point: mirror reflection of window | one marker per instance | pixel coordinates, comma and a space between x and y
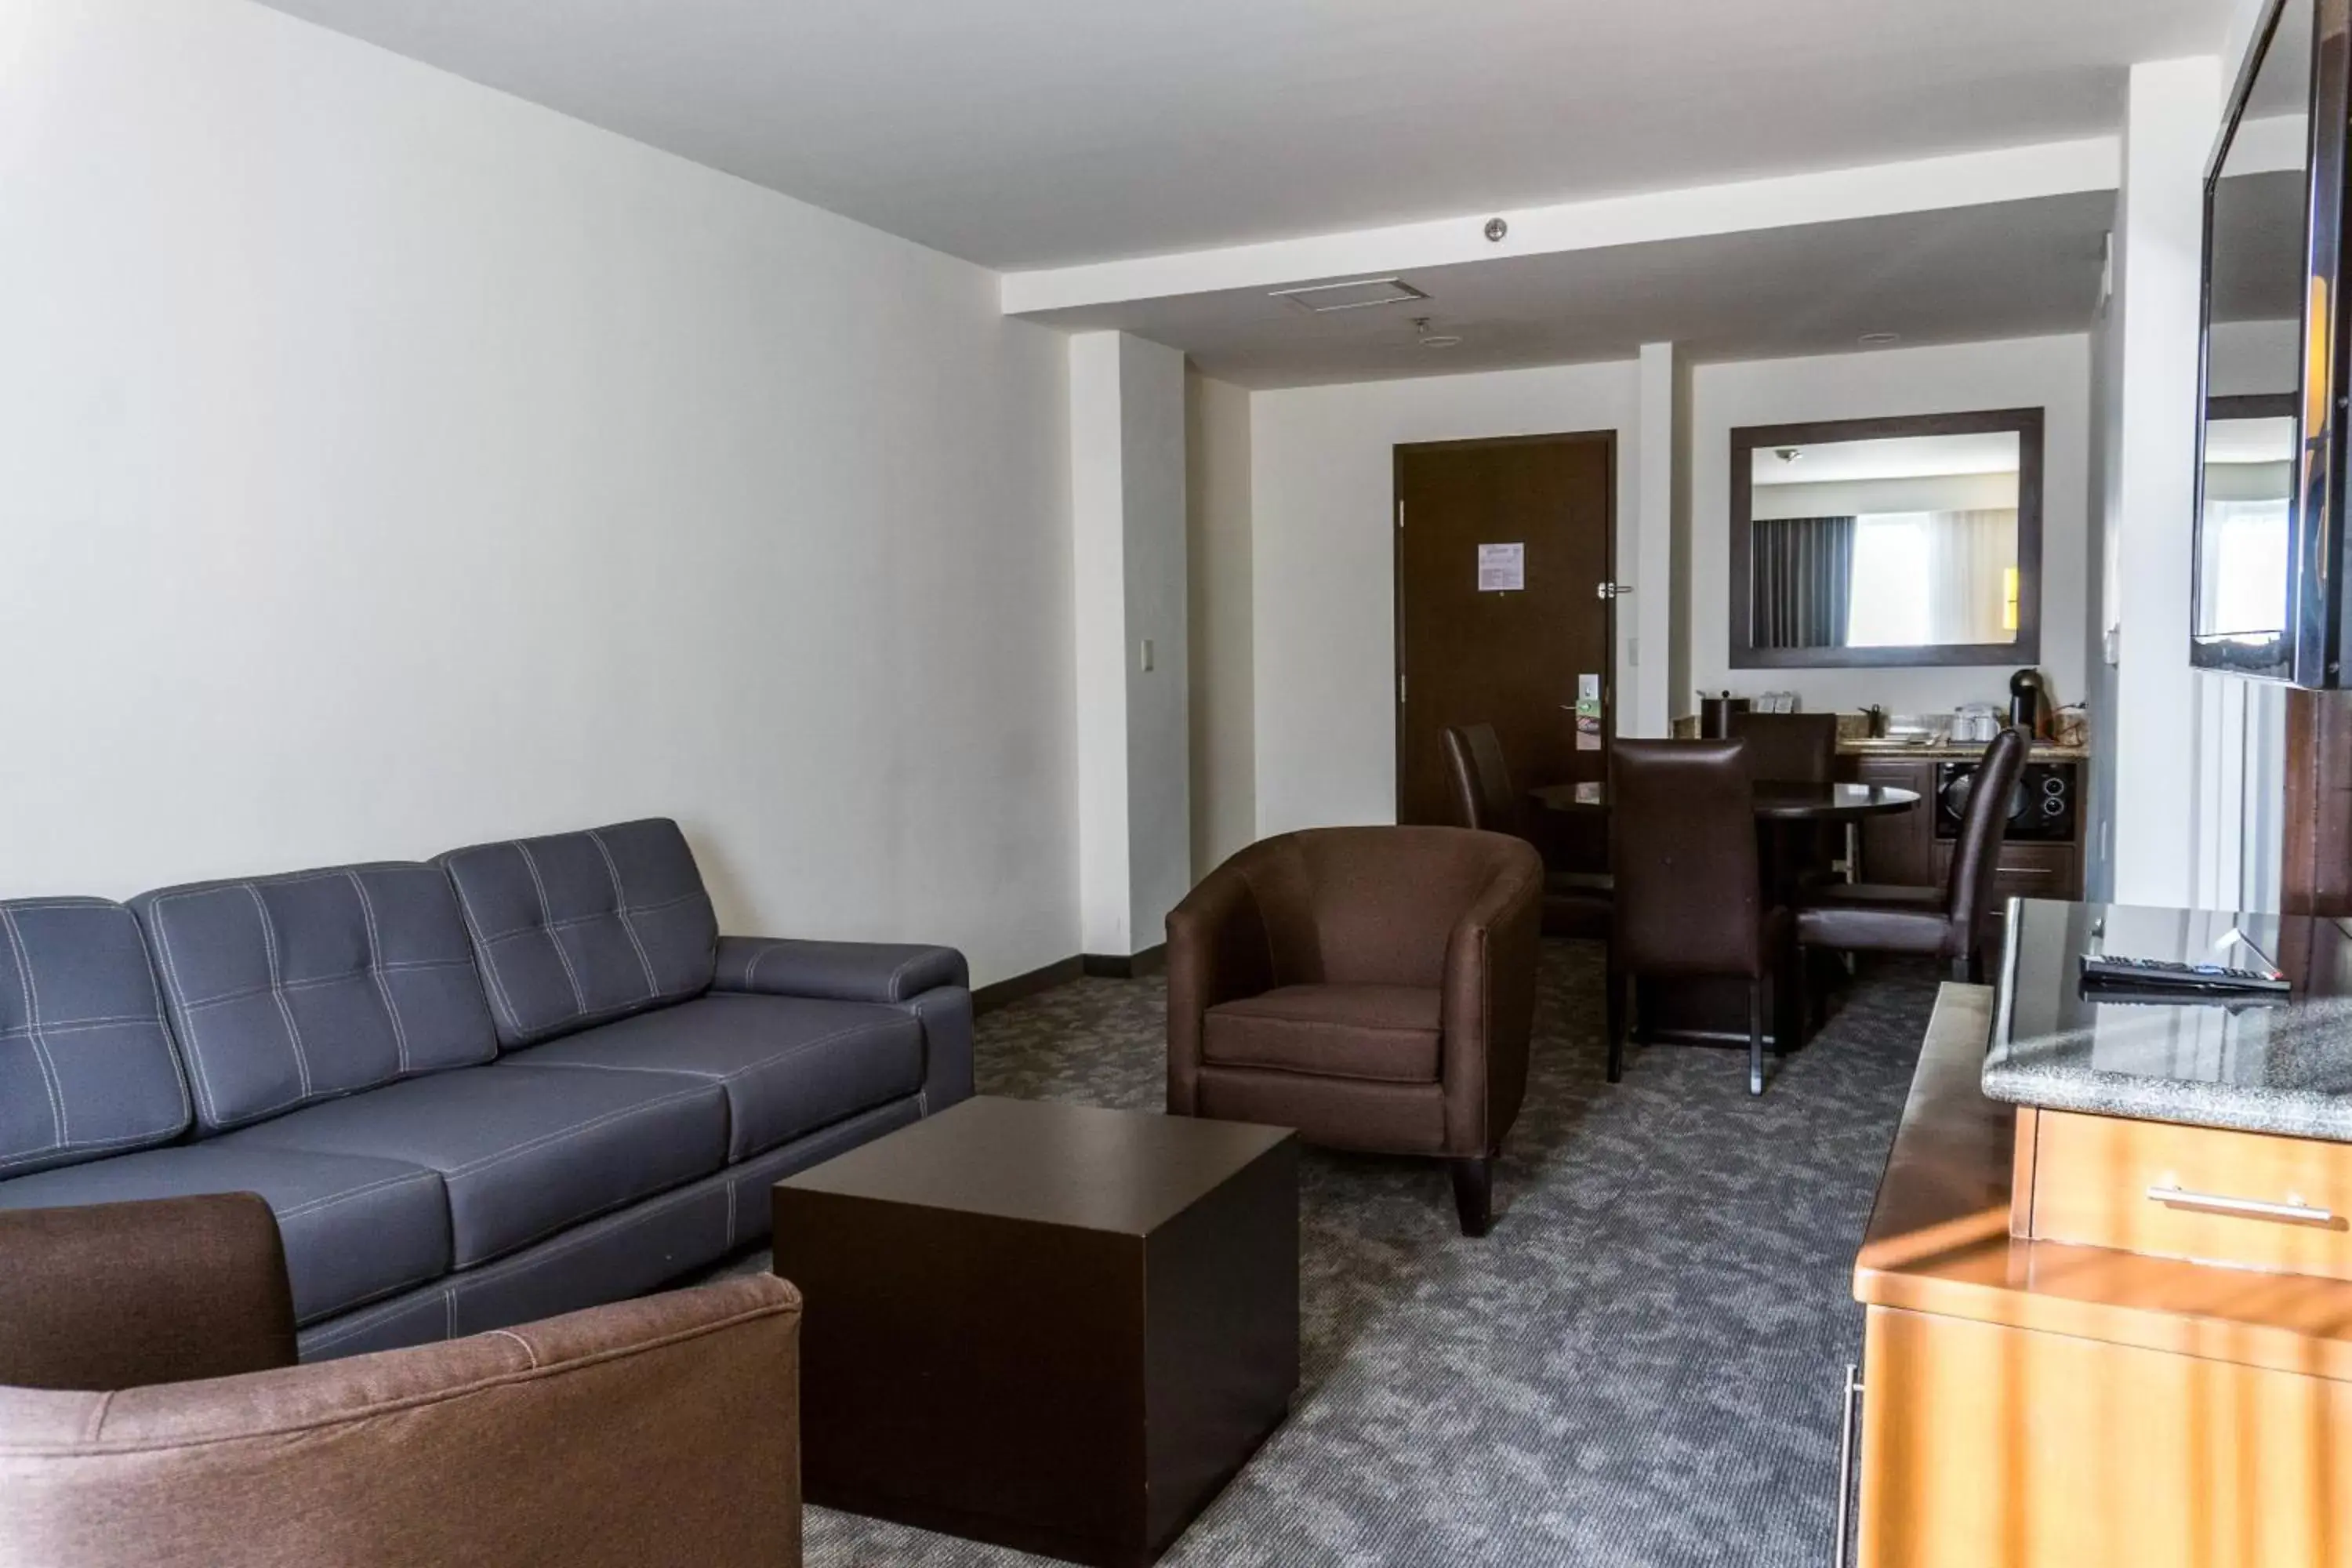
1901, 543
2242, 546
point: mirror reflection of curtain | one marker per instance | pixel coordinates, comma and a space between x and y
1925, 578
2243, 576
1800, 575
1969, 554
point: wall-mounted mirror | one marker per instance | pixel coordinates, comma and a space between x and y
1908, 541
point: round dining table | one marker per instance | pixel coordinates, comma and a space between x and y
1775, 800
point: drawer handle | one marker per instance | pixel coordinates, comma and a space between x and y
2294, 1210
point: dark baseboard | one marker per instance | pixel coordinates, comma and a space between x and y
1112, 966
1004, 993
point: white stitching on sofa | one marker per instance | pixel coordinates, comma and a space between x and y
375, 970
284, 1009
84, 1026
528, 1348
381, 1184
201, 1076
569, 921
33, 1030
621, 909
558, 1136
547, 915
320, 982
87, 1147
489, 964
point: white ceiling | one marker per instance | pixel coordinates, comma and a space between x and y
1035, 132
1893, 457
1959, 275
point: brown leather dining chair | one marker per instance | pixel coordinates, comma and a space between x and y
1946, 922
1575, 903
1789, 748
1373, 987
1690, 895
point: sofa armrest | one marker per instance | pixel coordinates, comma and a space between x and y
836, 970
1489, 1002
605, 1437
112, 1296
1217, 952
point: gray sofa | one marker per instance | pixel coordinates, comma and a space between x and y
527, 1078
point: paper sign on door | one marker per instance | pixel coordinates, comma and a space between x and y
1502, 568
1588, 712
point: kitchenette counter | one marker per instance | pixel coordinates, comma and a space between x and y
2284, 1069
1943, 751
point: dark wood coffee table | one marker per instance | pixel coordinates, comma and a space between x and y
1051, 1327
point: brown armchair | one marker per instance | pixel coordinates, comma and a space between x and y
151, 1414
1373, 987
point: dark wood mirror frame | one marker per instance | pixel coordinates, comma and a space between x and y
2025, 648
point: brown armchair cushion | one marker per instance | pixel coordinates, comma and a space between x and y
1384, 1032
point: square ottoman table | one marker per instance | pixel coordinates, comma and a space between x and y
1052, 1327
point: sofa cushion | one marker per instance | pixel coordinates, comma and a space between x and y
522, 1152
1384, 1032
355, 1229
788, 1064
86, 1063
289, 990
579, 928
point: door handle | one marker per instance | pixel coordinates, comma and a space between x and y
1611, 590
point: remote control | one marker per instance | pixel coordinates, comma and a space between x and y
2169, 975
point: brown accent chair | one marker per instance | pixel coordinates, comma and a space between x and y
1690, 897
1373, 987
1576, 903
1946, 922
151, 1415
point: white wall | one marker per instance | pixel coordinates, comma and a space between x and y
2172, 109
2050, 373
1129, 542
1323, 492
1224, 695
391, 464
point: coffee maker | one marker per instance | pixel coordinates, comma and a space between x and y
2028, 701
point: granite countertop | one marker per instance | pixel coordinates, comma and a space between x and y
2284, 1069
1944, 751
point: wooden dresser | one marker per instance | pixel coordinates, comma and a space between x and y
2051, 1380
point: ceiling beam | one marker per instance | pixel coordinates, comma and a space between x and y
1918, 185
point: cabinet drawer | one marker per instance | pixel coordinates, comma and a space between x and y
2027, 871
2244, 1199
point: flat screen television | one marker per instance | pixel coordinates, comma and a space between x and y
2269, 539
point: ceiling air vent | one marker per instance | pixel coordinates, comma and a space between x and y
1358, 294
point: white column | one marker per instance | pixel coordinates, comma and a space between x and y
2173, 110
1127, 551
1646, 618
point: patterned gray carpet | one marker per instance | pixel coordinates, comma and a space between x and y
1641, 1365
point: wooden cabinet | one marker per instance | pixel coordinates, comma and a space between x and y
2028, 870
1899, 850
2042, 1389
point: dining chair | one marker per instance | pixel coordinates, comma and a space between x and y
1690, 897
1575, 903
1789, 748
1945, 922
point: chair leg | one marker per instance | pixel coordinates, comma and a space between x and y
1474, 1193
1756, 1037
1618, 984
1968, 968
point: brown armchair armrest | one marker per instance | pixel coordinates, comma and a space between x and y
1217, 952
664, 1430
112, 1296
1488, 1006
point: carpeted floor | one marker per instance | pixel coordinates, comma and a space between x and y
1641, 1365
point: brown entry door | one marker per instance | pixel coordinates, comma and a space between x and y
1509, 657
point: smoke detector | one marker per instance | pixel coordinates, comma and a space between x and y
1430, 339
